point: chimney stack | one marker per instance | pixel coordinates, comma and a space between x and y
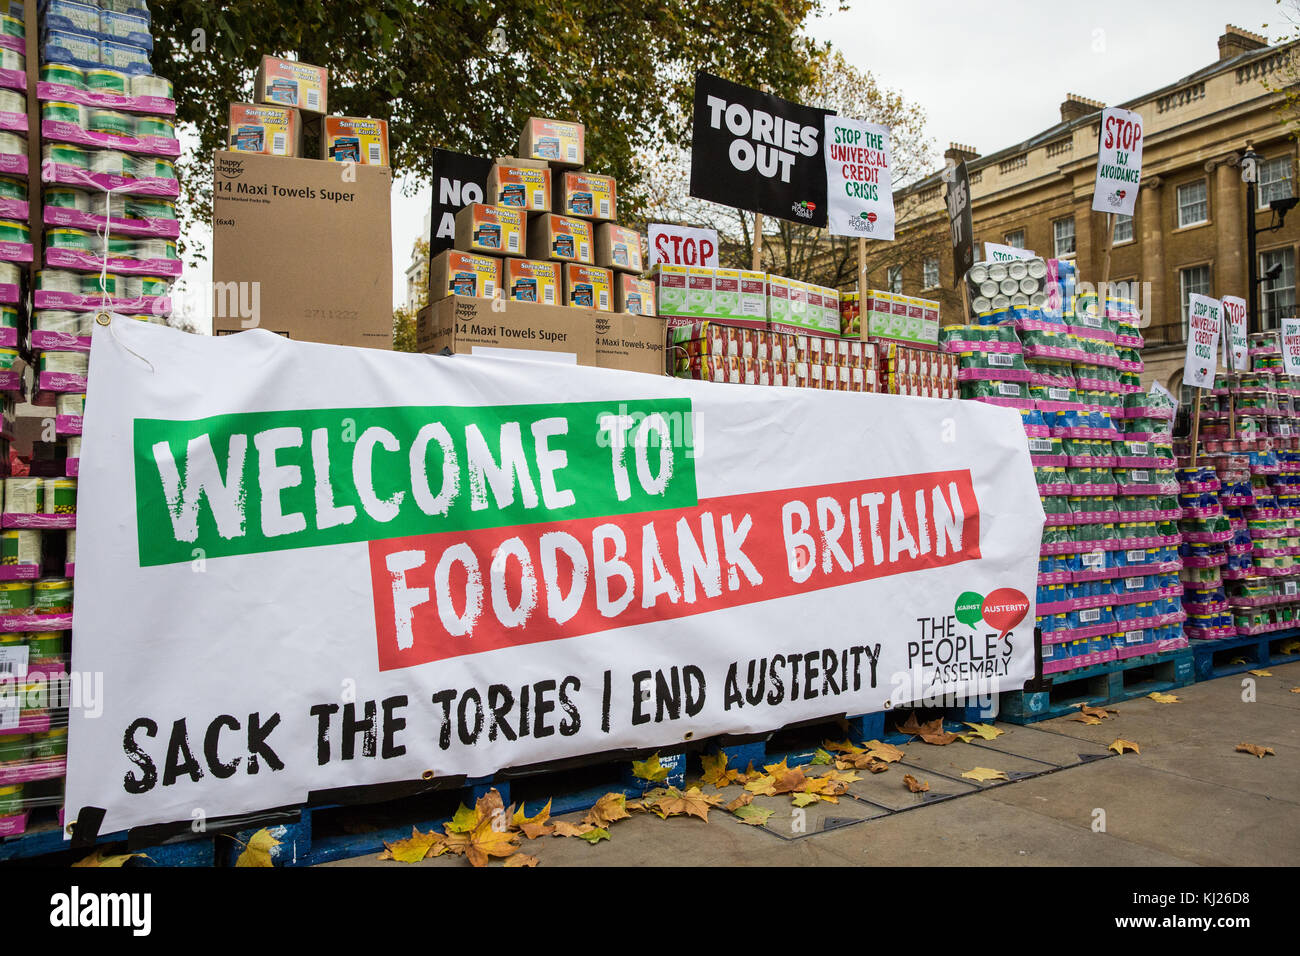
956, 152
1076, 107
1236, 41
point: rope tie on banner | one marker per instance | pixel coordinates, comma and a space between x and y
105, 314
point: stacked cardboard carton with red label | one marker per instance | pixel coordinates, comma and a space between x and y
721, 352
1108, 586
548, 232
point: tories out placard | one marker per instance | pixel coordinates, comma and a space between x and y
756, 151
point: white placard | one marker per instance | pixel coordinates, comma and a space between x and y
1119, 161
683, 246
1236, 354
1291, 346
1204, 323
995, 252
859, 197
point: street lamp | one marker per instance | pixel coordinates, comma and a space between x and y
1249, 176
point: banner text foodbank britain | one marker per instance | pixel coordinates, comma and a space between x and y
539, 522
473, 564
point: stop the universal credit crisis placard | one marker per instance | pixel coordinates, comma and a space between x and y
304, 567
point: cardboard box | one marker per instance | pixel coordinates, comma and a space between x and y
699, 292
309, 255
633, 294
520, 187
465, 274
726, 293
269, 130
530, 280
778, 299
632, 343
560, 142
670, 288
753, 295
585, 195
290, 83
467, 326
354, 139
588, 287
618, 247
560, 239
491, 230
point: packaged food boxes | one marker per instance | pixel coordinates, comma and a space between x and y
588, 287
586, 195
670, 288
753, 295
455, 272
354, 139
618, 247
560, 239
559, 142
699, 291
778, 299
726, 293
634, 294
290, 83
888, 315
495, 230
270, 130
530, 280
525, 187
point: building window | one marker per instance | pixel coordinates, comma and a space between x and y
1123, 229
1274, 180
930, 273
1192, 205
1063, 237
1015, 239
896, 279
1193, 281
1278, 294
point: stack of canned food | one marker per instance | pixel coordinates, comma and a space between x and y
1102, 453
36, 595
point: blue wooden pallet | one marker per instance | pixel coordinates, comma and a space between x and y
1256, 650
1107, 683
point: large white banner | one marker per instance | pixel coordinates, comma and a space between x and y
859, 197
1119, 161
303, 567
1291, 347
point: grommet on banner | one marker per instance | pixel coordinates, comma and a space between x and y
103, 318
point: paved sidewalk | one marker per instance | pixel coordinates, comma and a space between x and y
1186, 799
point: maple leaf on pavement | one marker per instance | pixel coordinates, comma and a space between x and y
693, 803
414, 848
916, 786
1255, 749
1120, 745
649, 769
985, 774
257, 851
610, 807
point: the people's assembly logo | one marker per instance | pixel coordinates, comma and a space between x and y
945, 653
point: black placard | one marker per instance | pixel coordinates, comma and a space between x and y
758, 152
458, 180
960, 222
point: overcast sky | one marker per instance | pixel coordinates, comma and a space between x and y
992, 75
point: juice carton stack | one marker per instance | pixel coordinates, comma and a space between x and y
1108, 570
15, 220
1247, 437
723, 352
547, 232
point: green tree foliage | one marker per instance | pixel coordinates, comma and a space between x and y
465, 74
